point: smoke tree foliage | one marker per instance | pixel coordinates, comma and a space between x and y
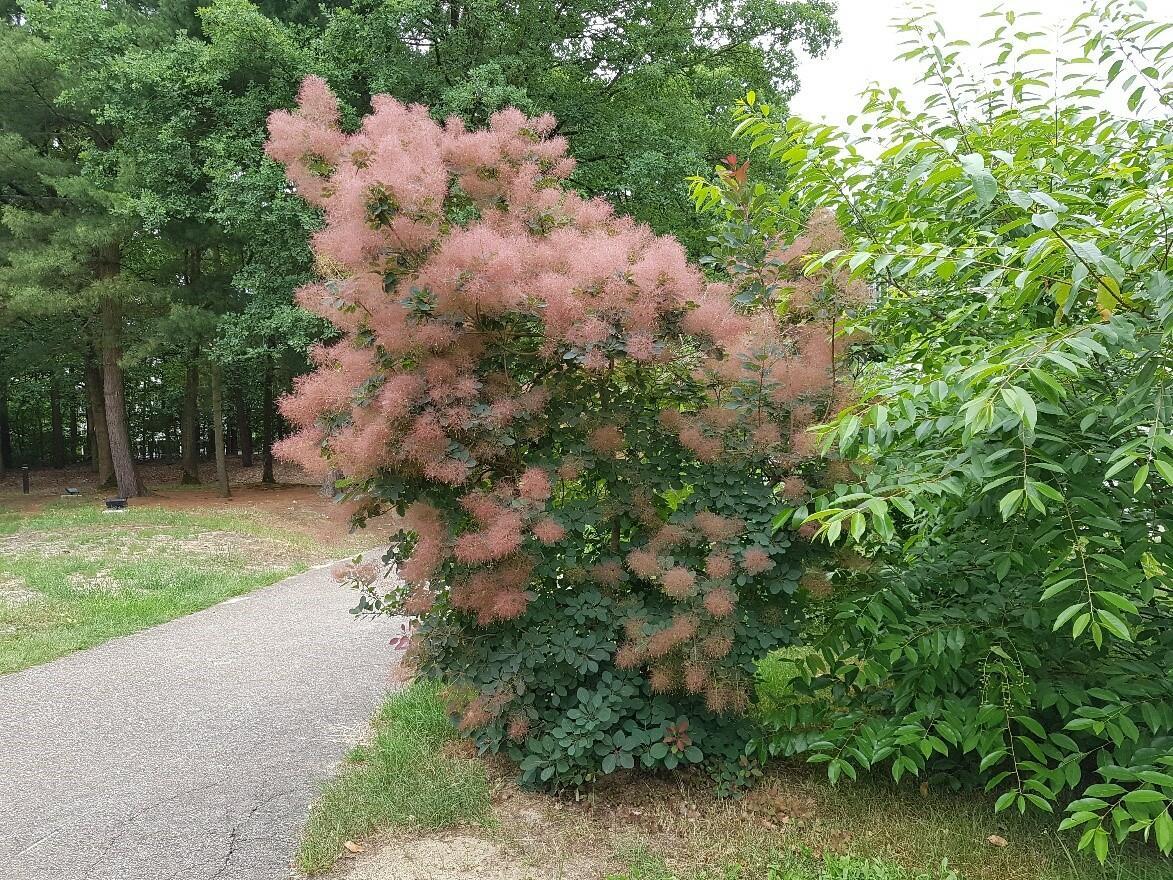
1016, 489
587, 442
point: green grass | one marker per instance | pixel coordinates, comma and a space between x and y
775, 674
646, 865
403, 777
73, 576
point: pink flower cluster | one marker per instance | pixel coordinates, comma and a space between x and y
453, 334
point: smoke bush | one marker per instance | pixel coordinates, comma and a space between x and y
586, 443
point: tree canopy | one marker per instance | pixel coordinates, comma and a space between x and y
138, 205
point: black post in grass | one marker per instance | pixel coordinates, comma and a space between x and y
24, 479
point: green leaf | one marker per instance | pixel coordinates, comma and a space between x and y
1156, 778
902, 504
1046, 220
848, 429
1009, 503
1056, 588
985, 185
991, 759
1144, 796
1100, 845
1165, 469
1113, 624
1140, 478
1031, 725
1163, 828
1067, 613
1117, 600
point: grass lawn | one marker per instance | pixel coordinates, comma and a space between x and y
73, 575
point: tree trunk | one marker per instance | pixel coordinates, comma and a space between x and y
190, 423
114, 393
5, 426
91, 450
244, 427
267, 419
56, 423
74, 428
218, 432
100, 437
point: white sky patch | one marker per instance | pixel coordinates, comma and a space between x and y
830, 86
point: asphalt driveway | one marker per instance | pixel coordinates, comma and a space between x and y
191, 750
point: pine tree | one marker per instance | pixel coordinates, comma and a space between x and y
62, 250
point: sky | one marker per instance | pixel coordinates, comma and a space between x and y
830, 84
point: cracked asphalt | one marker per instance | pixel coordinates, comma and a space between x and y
192, 750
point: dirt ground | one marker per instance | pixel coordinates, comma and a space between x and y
51, 482
296, 503
534, 836
632, 826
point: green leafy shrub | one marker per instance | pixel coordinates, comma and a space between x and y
587, 443
1016, 627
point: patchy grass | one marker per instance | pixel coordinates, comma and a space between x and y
73, 576
795, 819
646, 865
793, 826
404, 777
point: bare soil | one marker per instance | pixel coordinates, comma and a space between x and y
46, 483
296, 504
533, 837
691, 832
14, 591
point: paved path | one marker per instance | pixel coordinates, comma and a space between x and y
191, 750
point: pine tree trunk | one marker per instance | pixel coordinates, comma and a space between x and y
91, 450
4, 459
190, 423
267, 419
5, 426
56, 423
74, 428
114, 394
244, 427
100, 437
218, 432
